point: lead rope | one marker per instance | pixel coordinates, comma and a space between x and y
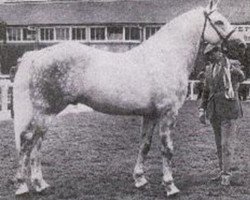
229, 94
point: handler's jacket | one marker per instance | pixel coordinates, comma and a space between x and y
214, 100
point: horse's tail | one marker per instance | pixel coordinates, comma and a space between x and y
23, 109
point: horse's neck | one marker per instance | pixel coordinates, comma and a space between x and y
178, 39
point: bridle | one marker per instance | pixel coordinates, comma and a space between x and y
224, 39
224, 45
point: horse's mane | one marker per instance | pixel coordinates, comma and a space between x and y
179, 23
180, 36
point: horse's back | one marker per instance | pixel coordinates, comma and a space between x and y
115, 83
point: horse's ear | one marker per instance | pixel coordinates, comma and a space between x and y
211, 6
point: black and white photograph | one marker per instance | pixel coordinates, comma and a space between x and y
124, 100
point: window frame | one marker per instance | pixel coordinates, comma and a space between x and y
8, 35
34, 32
122, 33
142, 33
130, 40
79, 27
65, 28
40, 34
98, 41
151, 27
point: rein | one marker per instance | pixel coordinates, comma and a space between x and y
230, 93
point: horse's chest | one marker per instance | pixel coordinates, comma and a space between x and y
170, 94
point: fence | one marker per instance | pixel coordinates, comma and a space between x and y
6, 89
192, 90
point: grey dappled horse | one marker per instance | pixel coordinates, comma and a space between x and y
150, 81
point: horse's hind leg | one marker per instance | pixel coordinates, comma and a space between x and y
28, 141
35, 163
21, 175
147, 130
166, 124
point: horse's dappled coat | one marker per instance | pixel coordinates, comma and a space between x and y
150, 80
134, 82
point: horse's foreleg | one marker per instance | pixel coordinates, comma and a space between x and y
36, 168
166, 124
21, 175
147, 130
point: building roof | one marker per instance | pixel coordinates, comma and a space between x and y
105, 12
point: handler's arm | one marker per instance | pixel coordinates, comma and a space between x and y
237, 74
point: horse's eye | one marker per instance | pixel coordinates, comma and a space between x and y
219, 23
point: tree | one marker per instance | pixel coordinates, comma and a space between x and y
3, 31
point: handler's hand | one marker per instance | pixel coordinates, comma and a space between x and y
202, 116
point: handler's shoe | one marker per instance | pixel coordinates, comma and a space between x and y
225, 179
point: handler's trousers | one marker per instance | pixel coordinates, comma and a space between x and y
225, 135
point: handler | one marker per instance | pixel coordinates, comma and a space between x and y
220, 102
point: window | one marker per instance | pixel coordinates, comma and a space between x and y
115, 33
14, 34
151, 31
47, 34
29, 34
97, 34
78, 34
62, 33
132, 33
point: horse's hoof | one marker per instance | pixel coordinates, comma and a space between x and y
22, 189
40, 186
172, 189
140, 182
225, 180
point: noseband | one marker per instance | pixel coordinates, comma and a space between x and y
224, 39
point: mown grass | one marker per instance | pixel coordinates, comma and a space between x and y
92, 155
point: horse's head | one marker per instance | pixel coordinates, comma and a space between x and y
218, 30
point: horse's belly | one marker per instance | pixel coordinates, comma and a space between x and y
121, 110
118, 102
123, 92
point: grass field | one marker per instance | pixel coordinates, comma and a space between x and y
91, 156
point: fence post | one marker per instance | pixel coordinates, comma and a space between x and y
4, 89
192, 90
5, 113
